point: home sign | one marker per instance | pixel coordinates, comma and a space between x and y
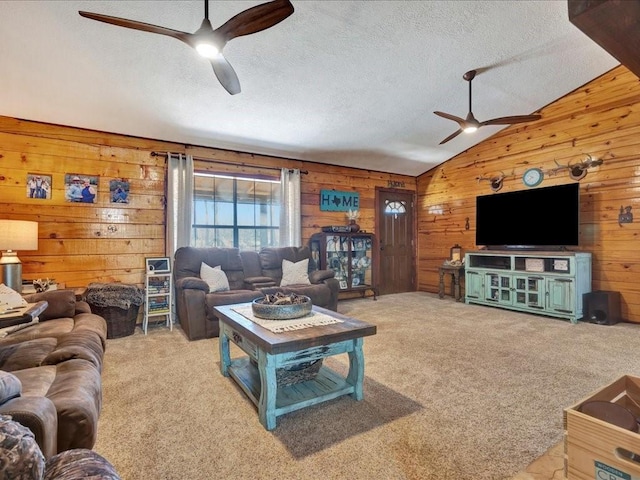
335, 201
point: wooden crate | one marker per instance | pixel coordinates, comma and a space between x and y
598, 450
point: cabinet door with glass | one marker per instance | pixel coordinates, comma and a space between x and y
498, 288
350, 256
529, 291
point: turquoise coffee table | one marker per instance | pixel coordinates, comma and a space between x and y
271, 351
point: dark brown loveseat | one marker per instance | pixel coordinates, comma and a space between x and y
250, 274
50, 373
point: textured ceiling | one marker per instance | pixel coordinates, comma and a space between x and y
341, 82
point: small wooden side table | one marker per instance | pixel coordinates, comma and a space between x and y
455, 271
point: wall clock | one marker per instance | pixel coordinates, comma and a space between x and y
533, 177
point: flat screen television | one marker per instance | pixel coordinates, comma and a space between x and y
540, 218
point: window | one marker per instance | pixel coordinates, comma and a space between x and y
395, 208
235, 212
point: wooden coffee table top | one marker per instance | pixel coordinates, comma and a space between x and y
295, 340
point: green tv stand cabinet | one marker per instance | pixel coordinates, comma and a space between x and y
543, 282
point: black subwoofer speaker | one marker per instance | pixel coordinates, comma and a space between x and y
601, 307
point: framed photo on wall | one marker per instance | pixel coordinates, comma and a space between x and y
158, 265
38, 185
119, 191
81, 188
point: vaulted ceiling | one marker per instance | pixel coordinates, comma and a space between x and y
341, 82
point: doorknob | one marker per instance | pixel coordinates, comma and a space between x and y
381, 246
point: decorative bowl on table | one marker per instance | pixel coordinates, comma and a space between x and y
281, 306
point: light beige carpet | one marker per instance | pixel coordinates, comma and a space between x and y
452, 391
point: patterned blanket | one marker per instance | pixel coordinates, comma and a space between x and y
114, 295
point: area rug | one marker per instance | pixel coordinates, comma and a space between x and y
452, 391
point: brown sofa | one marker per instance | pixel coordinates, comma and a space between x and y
50, 373
250, 274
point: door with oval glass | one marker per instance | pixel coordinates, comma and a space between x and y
395, 227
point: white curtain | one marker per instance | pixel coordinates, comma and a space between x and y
179, 202
290, 221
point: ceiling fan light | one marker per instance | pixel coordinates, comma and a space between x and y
207, 50
469, 129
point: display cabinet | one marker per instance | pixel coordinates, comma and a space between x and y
548, 283
352, 256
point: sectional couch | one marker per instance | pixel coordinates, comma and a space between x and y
250, 275
50, 373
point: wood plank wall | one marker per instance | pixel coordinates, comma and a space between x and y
107, 242
601, 119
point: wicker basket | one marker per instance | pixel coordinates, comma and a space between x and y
298, 373
118, 303
121, 322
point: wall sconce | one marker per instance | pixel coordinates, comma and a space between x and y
625, 215
15, 235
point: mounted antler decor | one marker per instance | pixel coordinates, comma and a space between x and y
579, 171
495, 181
559, 168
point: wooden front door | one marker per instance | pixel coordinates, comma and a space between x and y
396, 240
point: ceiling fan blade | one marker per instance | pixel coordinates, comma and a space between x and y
135, 25
511, 120
256, 19
448, 116
226, 74
452, 136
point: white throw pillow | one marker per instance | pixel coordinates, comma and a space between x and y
215, 278
295, 273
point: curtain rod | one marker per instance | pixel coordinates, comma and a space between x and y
164, 154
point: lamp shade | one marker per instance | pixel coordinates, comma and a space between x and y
18, 235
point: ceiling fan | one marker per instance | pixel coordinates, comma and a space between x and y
470, 124
209, 42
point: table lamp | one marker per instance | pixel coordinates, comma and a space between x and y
15, 235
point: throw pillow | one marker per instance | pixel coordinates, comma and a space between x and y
10, 386
215, 278
295, 273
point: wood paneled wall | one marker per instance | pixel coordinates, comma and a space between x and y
601, 119
107, 242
